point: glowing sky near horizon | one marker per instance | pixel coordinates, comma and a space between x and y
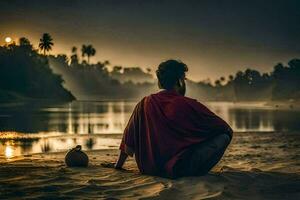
214, 38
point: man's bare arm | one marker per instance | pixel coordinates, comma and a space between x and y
121, 160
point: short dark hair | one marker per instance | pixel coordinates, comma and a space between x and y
169, 72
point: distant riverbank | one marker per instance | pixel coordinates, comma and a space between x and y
13, 97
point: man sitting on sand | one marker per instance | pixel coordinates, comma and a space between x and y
172, 135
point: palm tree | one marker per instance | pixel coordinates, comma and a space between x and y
88, 50
91, 51
46, 43
74, 50
83, 51
74, 57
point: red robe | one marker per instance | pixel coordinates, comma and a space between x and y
163, 125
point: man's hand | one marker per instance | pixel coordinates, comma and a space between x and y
108, 164
118, 167
119, 164
121, 160
111, 165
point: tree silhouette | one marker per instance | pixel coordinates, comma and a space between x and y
88, 50
24, 42
218, 83
222, 80
286, 82
106, 62
74, 50
117, 69
74, 57
26, 74
46, 43
83, 51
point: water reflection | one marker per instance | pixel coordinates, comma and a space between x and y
91, 118
257, 117
9, 151
11, 148
46, 147
90, 143
98, 125
76, 117
251, 120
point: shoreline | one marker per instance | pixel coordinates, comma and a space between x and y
98, 156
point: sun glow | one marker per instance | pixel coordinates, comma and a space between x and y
8, 39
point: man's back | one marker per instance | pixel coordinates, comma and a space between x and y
166, 125
163, 126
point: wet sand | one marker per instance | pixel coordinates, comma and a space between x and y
256, 166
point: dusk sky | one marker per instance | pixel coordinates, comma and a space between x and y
213, 38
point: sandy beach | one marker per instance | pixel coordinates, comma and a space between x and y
166, 81
256, 166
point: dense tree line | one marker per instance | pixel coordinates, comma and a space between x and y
131, 82
249, 85
283, 83
96, 82
25, 72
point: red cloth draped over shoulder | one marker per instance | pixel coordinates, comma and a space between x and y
163, 125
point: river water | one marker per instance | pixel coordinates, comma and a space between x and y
38, 127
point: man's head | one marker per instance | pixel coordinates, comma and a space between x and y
171, 75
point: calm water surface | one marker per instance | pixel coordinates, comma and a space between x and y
39, 127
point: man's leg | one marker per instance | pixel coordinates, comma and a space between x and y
200, 159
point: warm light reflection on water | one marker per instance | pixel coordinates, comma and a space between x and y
244, 117
37, 128
84, 118
9, 151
